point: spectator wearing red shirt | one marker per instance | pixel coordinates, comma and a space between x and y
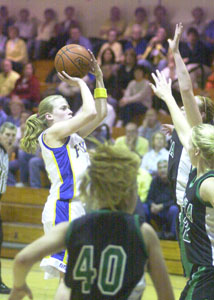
27, 87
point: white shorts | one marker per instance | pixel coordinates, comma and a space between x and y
54, 213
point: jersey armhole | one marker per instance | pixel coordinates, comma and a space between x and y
139, 233
208, 204
68, 234
52, 148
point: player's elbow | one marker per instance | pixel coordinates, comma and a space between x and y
90, 116
22, 259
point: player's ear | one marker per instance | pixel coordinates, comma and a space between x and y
48, 117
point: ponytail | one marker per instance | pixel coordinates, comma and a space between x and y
33, 128
37, 123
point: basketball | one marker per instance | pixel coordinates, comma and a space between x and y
74, 59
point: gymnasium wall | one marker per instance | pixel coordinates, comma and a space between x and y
93, 12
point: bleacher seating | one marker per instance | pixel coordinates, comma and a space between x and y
21, 215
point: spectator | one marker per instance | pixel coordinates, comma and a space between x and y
198, 22
150, 125
132, 141
27, 87
158, 152
16, 108
5, 19
155, 55
194, 50
209, 35
3, 116
44, 34
8, 78
161, 19
140, 19
137, 97
57, 41
75, 37
143, 182
210, 82
137, 42
27, 29
114, 22
170, 72
16, 49
30, 167
160, 205
3, 40
108, 58
115, 46
126, 72
110, 83
69, 22
20, 130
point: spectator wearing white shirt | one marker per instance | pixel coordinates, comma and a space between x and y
45, 33
158, 152
137, 96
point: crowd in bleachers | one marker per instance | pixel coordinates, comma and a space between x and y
128, 52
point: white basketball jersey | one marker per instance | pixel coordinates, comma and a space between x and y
65, 166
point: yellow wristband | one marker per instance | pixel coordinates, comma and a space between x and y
100, 93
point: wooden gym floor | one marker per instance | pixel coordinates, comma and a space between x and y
45, 289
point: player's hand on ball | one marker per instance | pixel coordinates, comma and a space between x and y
95, 68
174, 44
73, 81
162, 88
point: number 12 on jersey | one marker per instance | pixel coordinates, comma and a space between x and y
111, 269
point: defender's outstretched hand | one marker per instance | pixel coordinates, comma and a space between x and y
162, 88
174, 44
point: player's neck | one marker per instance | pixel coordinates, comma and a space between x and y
203, 168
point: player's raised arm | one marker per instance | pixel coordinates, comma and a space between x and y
52, 242
185, 84
156, 264
63, 129
162, 89
100, 97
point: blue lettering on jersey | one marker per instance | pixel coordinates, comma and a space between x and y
80, 147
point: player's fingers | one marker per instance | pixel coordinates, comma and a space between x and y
155, 78
159, 76
153, 87
92, 55
61, 77
66, 75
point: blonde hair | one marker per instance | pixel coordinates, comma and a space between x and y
207, 106
36, 124
111, 178
203, 139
